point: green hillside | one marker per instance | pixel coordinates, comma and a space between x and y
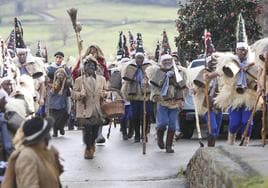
101, 21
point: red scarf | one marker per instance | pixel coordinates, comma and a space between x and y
75, 72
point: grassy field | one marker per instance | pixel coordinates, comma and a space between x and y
101, 23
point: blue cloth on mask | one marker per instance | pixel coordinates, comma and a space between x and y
139, 74
242, 76
164, 90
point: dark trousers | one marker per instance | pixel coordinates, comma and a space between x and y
90, 133
60, 117
137, 118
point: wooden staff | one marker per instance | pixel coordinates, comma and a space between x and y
264, 106
206, 87
249, 120
144, 118
197, 124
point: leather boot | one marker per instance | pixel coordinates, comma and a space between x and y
160, 137
231, 138
55, 132
89, 154
211, 141
169, 141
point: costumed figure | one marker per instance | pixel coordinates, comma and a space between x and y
210, 78
134, 80
115, 82
167, 86
238, 85
88, 91
102, 69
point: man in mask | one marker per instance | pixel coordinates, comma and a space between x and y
88, 91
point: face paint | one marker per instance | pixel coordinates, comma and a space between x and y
90, 68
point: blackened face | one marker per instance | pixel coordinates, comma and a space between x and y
90, 68
139, 59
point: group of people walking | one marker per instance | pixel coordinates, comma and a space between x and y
37, 96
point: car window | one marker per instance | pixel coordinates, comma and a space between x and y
197, 63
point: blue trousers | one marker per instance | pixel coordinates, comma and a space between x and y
128, 113
215, 122
166, 117
238, 118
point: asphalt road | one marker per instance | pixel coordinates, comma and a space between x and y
120, 163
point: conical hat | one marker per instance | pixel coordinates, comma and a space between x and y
241, 36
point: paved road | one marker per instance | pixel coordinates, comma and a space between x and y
121, 163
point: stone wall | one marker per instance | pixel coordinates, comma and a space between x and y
220, 167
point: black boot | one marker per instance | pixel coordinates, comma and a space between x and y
123, 125
137, 129
160, 137
211, 141
130, 129
169, 141
55, 132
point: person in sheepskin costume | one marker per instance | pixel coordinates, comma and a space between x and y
238, 87
167, 92
134, 80
198, 90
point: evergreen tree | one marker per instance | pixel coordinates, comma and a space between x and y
220, 18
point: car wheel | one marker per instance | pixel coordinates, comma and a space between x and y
187, 129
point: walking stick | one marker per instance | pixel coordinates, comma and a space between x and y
206, 87
264, 107
144, 119
197, 125
249, 120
